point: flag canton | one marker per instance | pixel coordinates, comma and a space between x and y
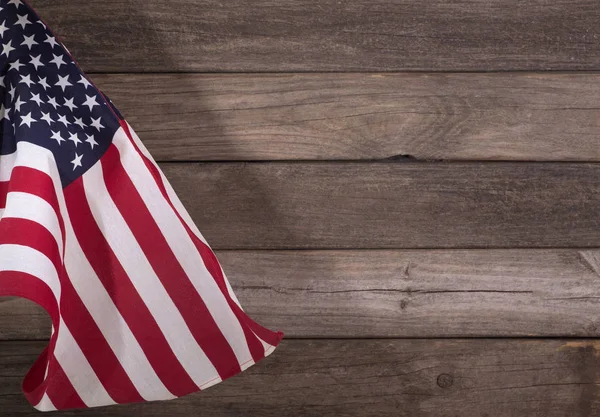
46, 99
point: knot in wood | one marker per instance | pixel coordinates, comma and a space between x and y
445, 380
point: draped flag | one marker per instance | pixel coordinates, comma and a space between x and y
92, 231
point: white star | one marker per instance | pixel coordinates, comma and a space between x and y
58, 60
51, 40
73, 138
2, 81
63, 120
52, 101
29, 41
69, 104
16, 65
90, 139
37, 99
23, 21
56, 136
18, 104
26, 79
63, 82
28, 120
3, 28
91, 102
85, 82
47, 118
36, 61
79, 122
43, 83
96, 123
15, 2
41, 23
4, 113
7, 48
11, 92
77, 161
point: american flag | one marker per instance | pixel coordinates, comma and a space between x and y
92, 231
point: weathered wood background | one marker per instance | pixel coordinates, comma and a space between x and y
409, 189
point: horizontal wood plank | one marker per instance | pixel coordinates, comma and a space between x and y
433, 378
206, 117
398, 293
391, 204
326, 35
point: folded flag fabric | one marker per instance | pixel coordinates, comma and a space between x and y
91, 230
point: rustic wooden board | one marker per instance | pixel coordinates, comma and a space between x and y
432, 378
391, 204
327, 35
516, 116
395, 293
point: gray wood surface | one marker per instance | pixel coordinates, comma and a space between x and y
327, 35
406, 378
391, 204
374, 328
398, 293
500, 116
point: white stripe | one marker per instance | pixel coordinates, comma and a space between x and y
29, 261
170, 192
7, 162
142, 275
45, 404
110, 322
26, 206
183, 248
78, 370
230, 290
34, 156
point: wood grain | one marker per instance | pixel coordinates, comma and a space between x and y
515, 116
391, 204
327, 35
406, 378
398, 293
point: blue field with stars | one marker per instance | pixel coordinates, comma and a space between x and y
46, 98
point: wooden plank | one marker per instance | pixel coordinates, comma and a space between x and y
433, 378
517, 116
391, 204
395, 293
326, 35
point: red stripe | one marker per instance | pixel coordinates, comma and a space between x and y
29, 233
32, 181
3, 192
19, 231
167, 267
124, 295
212, 264
74, 313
